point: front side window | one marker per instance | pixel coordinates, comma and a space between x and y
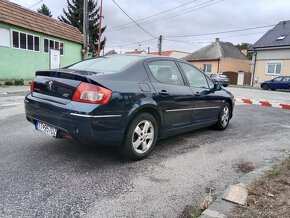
278, 79
166, 72
194, 76
274, 68
4, 37
207, 68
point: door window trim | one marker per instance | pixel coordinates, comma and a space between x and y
148, 70
184, 75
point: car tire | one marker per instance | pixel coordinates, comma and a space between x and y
140, 138
225, 85
265, 86
224, 117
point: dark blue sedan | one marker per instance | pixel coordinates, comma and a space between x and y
281, 82
127, 101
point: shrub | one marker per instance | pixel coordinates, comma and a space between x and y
19, 82
8, 83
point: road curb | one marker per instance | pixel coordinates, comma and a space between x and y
221, 208
264, 103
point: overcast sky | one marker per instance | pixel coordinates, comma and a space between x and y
197, 17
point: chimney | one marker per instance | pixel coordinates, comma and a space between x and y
217, 39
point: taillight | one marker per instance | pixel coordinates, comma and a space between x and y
90, 93
31, 86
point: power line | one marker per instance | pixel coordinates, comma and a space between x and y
35, 4
215, 33
134, 20
134, 43
196, 42
154, 15
183, 41
182, 12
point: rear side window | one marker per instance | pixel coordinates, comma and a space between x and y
105, 64
166, 72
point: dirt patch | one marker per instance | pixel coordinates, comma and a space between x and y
269, 196
195, 211
244, 167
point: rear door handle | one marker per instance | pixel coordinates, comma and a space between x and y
163, 93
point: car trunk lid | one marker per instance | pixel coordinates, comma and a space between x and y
59, 85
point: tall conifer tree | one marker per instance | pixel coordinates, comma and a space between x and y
74, 16
44, 10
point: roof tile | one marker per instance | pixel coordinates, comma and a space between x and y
270, 38
14, 14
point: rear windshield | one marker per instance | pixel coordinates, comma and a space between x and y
105, 64
223, 76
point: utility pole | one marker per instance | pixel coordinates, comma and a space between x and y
85, 30
160, 45
100, 28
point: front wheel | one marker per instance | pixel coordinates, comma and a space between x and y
141, 137
265, 87
224, 117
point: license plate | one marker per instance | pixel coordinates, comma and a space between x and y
45, 128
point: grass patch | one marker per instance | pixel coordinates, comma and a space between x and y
269, 196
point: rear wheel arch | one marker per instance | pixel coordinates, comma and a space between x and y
150, 110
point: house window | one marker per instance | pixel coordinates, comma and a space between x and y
15, 39
274, 68
25, 41
207, 68
36, 43
52, 44
4, 37
30, 42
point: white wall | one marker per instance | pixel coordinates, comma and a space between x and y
278, 54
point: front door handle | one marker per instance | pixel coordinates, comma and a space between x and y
163, 93
197, 94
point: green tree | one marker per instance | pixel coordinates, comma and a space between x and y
245, 46
44, 10
74, 16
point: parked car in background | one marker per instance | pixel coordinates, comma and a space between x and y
221, 78
281, 82
128, 101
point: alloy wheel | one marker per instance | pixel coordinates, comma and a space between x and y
225, 116
143, 137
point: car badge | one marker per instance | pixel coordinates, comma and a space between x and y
50, 85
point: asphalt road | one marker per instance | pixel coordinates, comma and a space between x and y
45, 177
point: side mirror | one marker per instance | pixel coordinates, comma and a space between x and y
217, 86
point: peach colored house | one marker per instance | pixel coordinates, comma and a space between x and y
220, 57
172, 53
136, 51
272, 53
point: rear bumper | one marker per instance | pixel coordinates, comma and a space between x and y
224, 83
77, 120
